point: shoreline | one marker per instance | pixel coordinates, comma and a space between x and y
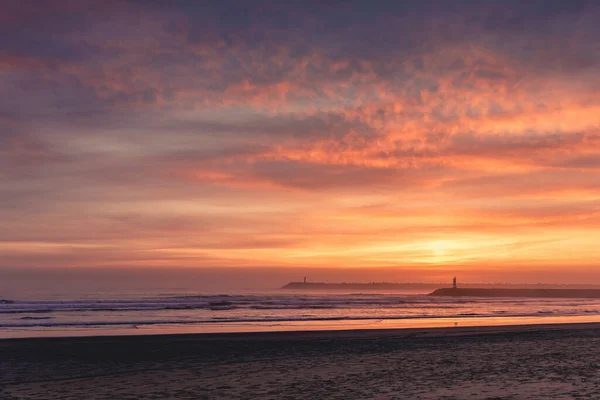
366, 332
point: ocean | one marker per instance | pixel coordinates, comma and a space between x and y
44, 311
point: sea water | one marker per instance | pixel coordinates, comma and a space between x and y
59, 306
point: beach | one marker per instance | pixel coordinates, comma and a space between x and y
558, 361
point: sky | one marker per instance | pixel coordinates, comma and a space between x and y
423, 136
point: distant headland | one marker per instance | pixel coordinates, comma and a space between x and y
466, 290
359, 286
305, 285
536, 293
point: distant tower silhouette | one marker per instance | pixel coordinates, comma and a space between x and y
454, 283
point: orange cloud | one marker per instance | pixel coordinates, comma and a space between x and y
184, 135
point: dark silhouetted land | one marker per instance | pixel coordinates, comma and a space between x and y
535, 293
360, 286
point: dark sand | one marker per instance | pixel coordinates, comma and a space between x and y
516, 362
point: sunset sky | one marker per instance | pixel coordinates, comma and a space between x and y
421, 135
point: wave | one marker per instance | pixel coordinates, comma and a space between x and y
221, 320
272, 302
270, 308
220, 303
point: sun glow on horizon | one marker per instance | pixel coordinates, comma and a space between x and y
410, 140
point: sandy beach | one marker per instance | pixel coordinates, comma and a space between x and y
516, 362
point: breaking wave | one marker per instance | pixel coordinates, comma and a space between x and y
270, 309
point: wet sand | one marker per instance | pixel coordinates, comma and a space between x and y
513, 362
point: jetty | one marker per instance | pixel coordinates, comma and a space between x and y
465, 290
535, 293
